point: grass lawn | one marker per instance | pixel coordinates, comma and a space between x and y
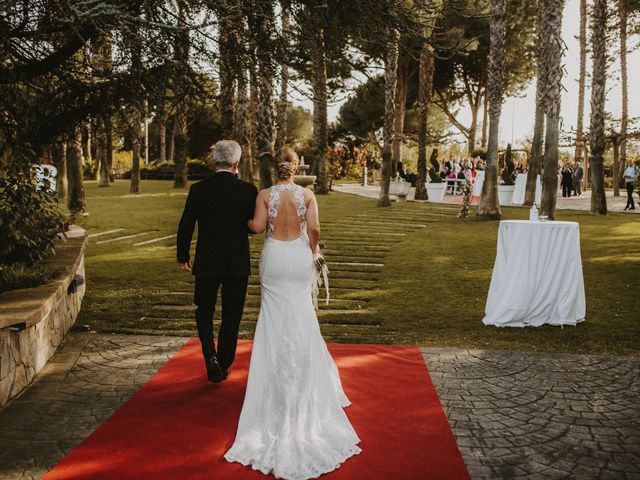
412, 273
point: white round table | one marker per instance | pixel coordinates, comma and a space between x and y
537, 276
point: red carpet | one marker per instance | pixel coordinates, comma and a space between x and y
179, 425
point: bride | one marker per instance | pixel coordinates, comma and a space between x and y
292, 423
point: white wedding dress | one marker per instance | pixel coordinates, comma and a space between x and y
292, 423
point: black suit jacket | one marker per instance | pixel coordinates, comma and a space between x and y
221, 206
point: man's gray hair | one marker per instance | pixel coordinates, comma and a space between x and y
226, 152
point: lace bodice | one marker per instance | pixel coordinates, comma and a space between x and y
274, 200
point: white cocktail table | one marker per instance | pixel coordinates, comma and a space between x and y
537, 276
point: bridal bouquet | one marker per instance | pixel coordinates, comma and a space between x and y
322, 276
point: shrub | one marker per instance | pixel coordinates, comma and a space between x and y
30, 220
19, 275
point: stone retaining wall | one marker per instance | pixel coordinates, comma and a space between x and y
34, 321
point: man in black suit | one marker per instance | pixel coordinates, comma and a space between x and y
221, 206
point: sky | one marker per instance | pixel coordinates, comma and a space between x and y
516, 121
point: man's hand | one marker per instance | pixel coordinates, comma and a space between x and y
185, 267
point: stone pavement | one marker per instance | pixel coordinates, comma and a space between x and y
514, 414
583, 202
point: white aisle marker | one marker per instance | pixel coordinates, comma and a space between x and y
105, 233
153, 240
124, 238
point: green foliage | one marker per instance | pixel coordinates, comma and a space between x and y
480, 153
196, 169
18, 275
363, 112
299, 124
463, 47
30, 220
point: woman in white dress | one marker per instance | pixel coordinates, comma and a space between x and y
292, 423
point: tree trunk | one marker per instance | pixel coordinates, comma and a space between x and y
582, 79
103, 153
76, 198
171, 155
552, 30
598, 92
228, 50
103, 64
425, 85
135, 143
136, 119
473, 128
180, 123
88, 157
616, 167
485, 111
320, 115
253, 111
162, 124
265, 135
243, 127
281, 117
542, 45
536, 153
404, 72
59, 159
181, 147
624, 119
489, 206
390, 81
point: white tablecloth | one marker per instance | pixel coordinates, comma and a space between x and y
537, 276
521, 187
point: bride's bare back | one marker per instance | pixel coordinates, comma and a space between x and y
287, 211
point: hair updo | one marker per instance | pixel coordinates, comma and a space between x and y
286, 163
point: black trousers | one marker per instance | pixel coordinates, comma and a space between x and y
234, 291
630, 187
566, 190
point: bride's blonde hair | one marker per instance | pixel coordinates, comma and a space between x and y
286, 163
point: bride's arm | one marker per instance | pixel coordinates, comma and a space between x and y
313, 223
258, 223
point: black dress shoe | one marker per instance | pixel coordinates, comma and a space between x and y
214, 371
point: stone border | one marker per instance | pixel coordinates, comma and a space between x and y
34, 321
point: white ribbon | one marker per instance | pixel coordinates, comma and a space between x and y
322, 276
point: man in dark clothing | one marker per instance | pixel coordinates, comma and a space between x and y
221, 206
578, 173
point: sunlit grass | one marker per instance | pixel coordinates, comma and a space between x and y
431, 290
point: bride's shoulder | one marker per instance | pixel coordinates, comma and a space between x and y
308, 195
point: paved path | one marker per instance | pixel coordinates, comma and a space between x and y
583, 202
515, 415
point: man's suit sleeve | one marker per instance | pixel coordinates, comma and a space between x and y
185, 228
253, 194
251, 207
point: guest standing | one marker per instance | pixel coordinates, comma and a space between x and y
630, 176
578, 173
567, 180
